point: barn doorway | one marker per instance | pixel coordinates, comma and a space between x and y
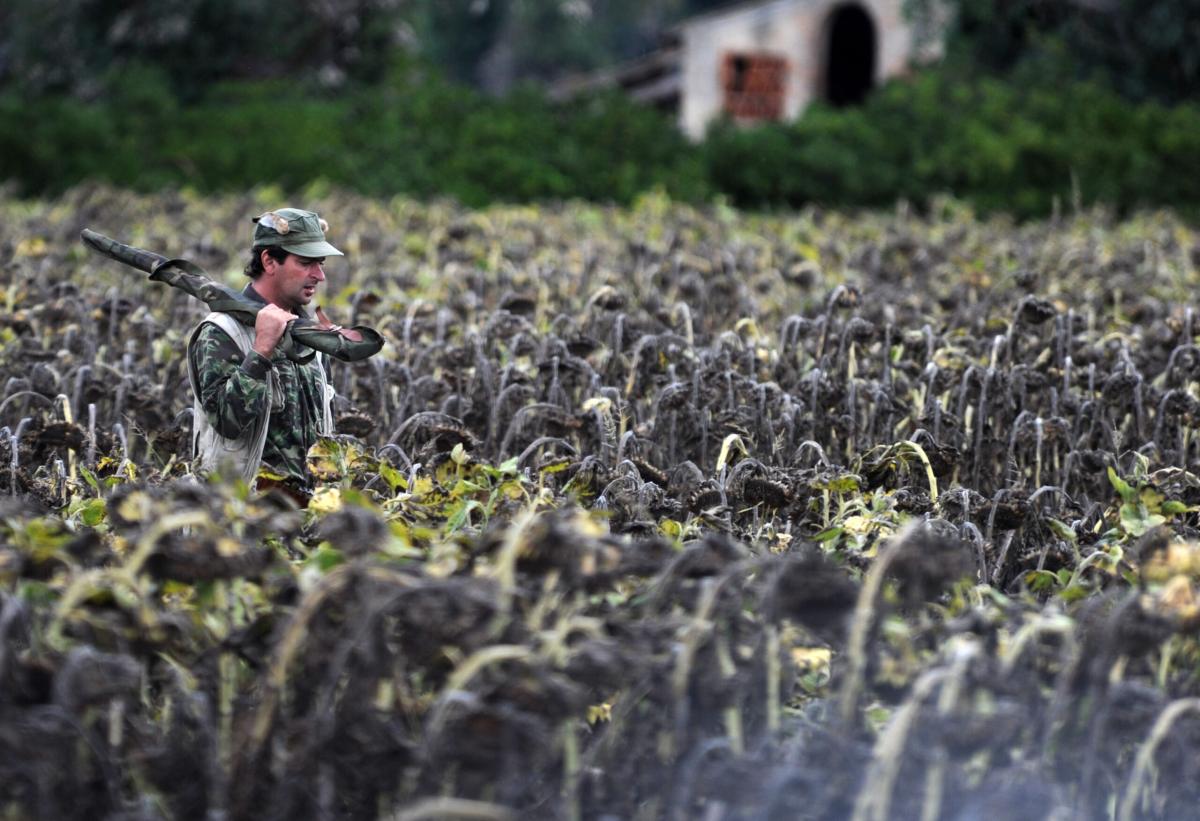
849, 55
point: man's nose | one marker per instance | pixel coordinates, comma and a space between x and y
320, 272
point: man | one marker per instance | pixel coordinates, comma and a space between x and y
257, 411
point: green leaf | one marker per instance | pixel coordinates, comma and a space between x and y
828, 535
1074, 592
1173, 506
1041, 580
1062, 530
93, 512
461, 515
1136, 520
326, 558
846, 483
1121, 486
464, 487
90, 478
36, 593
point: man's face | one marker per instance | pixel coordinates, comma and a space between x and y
294, 281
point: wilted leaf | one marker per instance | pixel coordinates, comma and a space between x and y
597, 713
227, 546
394, 478
333, 459
811, 658
670, 528
326, 500
135, 507
730, 442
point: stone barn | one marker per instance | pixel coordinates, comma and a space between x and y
767, 60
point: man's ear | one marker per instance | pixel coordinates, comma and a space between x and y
268, 262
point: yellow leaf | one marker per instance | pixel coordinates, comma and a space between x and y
135, 507
324, 462
599, 712
445, 472
858, 525
586, 525
330, 459
730, 442
444, 559
556, 466
32, 247
810, 659
1180, 558
1179, 597
421, 487
603, 403
810, 252
748, 325
326, 500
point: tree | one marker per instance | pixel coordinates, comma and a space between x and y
1145, 49
75, 46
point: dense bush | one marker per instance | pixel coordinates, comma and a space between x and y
1145, 49
418, 135
1014, 145
1020, 145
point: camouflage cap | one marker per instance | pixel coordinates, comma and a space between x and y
295, 231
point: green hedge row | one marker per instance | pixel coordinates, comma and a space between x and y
1018, 146
1013, 146
421, 137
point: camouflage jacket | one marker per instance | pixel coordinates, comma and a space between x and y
233, 391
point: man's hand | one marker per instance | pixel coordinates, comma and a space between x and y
269, 327
325, 323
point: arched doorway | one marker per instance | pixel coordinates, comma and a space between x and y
849, 55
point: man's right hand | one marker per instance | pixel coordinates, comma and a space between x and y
269, 327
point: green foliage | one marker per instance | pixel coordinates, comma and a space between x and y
1148, 49
417, 134
70, 46
1019, 146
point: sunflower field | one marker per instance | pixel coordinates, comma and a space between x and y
646, 512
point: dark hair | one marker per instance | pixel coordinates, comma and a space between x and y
255, 267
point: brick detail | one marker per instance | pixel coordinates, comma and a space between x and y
754, 85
